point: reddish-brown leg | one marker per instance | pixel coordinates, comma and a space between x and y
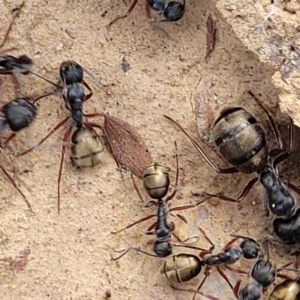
15, 185
10, 26
200, 150
196, 292
132, 6
286, 155
274, 127
45, 138
235, 270
239, 199
203, 252
3, 145
90, 94
136, 222
225, 277
237, 288
148, 12
63, 150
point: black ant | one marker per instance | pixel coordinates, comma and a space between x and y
17, 115
71, 76
242, 141
156, 182
172, 10
184, 267
263, 272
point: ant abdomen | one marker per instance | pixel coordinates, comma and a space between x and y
156, 180
241, 139
287, 290
181, 267
87, 148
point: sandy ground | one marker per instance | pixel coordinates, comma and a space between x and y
70, 254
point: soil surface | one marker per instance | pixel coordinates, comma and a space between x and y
70, 254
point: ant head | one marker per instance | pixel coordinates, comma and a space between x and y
263, 272
70, 72
174, 11
268, 177
162, 249
252, 290
19, 113
234, 253
25, 64
157, 5
250, 248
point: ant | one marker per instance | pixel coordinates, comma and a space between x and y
263, 272
184, 267
18, 114
71, 76
242, 142
172, 10
156, 182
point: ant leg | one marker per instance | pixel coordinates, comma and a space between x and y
203, 251
286, 155
195, 292
148, 13
63, 150
3, 145
90, 94
10, 25
235, 270
274, 127
136, 222
237, 288
15, 185
230, 243
239, 199
199, 149
48, 135
225, 277
92, 115
244, 237
293, 187
132, 6
188, 206
202, 283
170, 197
127, 250
136, 188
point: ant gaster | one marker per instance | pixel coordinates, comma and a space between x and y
172, 10
287, 290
